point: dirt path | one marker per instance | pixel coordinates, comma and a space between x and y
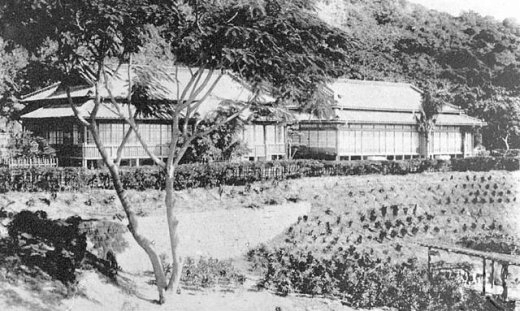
218, 234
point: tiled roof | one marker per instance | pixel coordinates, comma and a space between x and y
376, 117
228, 88
390, 117
64, 110
458, 119
376, 95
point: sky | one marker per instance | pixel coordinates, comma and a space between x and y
499, 9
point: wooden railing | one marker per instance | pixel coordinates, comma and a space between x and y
267, 150
136, 151
29, 162
90, 152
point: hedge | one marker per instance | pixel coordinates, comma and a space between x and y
224, 173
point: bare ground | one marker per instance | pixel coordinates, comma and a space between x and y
213, 223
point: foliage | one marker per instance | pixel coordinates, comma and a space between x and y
503, 127
359, 279
506, 153
485, 164
59, 247
492, 242
106, 236
226, 173
206, 273
223, 144
357, 242
431, 105
476, 57
25, 145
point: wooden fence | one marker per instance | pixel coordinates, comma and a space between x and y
29, 162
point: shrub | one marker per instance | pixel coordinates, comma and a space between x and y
59, 247
358, 278
56, 246
206, 273
106, 236
236, 173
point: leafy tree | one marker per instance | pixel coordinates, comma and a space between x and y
401, 41
223, 144
431, 105
275, 46
503, 121
25, 145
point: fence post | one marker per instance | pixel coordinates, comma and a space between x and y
492, 273
483, 276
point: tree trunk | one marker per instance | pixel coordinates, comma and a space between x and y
506, 141
426, 146
146, 245
173, 224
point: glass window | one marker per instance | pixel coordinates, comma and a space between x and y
117, 133
259, 135
270, 134
77, 134
389, 142
313, 138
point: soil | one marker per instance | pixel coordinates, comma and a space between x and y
219, 224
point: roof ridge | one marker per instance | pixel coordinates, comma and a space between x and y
43, 89
389, 83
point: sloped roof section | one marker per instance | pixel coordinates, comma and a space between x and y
165, 86
458, 119
41, 94
376, 95
85, 109
377, 117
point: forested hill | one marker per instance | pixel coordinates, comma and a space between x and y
475, 59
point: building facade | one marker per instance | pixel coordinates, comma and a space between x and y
379, 120
49, 115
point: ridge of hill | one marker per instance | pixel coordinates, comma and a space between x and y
474, 61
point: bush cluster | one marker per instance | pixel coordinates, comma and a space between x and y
59, 247
56, 246
484, 164
226, 173
207, 273
359, 279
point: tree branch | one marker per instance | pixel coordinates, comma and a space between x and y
130, 121
75, 109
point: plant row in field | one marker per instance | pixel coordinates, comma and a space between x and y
218, 174
383, 218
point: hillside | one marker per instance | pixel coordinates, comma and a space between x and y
470, 61
473, 60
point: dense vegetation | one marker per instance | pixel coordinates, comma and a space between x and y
471, 60
361, 231
225, 173
38, 245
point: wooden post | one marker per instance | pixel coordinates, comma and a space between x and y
492, 273
483, 276
337, 143
504, 273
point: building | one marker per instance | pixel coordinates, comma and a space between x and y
48, 114
378, 120
4, 142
